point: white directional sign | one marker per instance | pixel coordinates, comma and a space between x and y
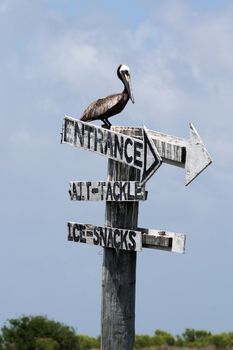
126, 239
107, 191
142, 155
190, 154
105, 236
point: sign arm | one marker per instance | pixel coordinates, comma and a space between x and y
140, 154
190, 154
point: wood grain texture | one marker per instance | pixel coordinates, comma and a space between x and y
163, 240
119, 271
190, 154
172, 149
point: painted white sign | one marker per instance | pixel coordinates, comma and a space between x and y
163, 240
142, 155
190, 154
107, 237
126, 191
126, 239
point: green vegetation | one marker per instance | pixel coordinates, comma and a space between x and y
159, 338
39, 333
191, 338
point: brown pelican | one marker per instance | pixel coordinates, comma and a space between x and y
106, 107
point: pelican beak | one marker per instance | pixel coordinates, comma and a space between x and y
127, 82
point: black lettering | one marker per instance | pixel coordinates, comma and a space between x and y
122, 190
109, 192
83, 236
137, 153
72, 191
127, 157
96, 238
80, 195
70, 237
94, 190
78, 133
118, 146
65, 131
102, 236
98, 140
76, 232
116, 238
88, 184
130, 196
116, 196
102, 184
108, 144
124, 239
132, 243
89, 129
138, 190
69, 126
110, 238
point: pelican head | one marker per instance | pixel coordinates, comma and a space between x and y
123, 72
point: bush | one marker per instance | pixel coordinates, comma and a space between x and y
37, 333
198, 338
142, 341
46, 344
163, 338
223, 340
86, 342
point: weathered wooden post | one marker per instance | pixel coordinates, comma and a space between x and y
119, 270
135, 154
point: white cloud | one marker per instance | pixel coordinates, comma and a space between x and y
180, 61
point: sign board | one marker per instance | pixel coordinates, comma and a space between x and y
107, 191
190, 154
163, 240
142, 155
108, 237
126, 239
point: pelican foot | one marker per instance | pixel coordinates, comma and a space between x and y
104, 126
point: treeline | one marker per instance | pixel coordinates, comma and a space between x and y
190, 338
39, 333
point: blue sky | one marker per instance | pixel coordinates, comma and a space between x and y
57, 57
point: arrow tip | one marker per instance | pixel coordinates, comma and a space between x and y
151, 159
197, 158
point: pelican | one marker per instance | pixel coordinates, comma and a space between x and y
108, 106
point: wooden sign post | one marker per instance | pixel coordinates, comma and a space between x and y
119, 271
134, 155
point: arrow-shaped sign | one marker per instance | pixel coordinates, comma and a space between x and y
190, 154
142, 155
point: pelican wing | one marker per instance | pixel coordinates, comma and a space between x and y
103, 107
